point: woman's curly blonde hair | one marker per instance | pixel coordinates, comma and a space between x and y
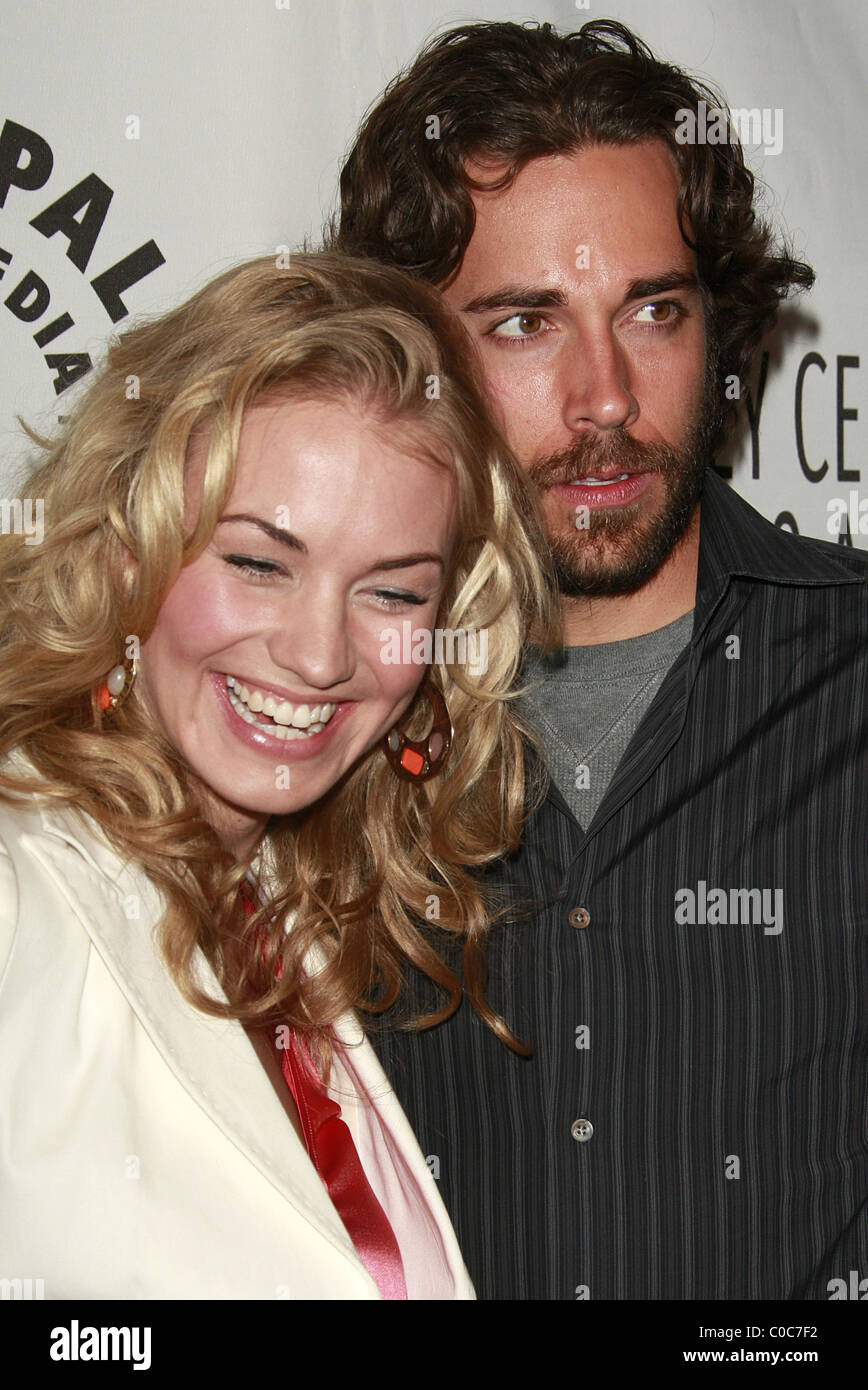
360, 870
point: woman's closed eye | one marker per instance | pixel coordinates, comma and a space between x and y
255, 567
398, 598
259, 569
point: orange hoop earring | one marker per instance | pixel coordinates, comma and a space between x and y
415, 760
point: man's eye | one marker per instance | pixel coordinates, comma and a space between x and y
659, 311
519, 326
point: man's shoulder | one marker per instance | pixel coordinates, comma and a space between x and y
737, 539
852, 558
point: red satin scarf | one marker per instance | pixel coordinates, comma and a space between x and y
331, 1150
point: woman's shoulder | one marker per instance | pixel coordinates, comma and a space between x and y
35, 813
9, 897
27, 817
18, 819
50, 854
19, 824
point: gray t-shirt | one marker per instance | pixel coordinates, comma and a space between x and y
586, 703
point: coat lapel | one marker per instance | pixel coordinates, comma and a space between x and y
212, 1058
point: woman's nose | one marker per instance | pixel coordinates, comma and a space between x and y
314, 642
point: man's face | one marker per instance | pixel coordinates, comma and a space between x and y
583, 299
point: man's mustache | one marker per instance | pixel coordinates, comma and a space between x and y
589, 456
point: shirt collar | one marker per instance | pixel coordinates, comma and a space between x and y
734, 540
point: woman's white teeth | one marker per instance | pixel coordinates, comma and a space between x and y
299, 718
290, 721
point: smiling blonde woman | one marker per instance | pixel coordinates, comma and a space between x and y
222, 818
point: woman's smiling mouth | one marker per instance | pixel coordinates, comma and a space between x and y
279, 718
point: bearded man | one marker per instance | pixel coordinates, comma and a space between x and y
689, 965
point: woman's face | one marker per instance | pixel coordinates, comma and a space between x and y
264, 668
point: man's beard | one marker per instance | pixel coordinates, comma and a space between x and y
620, 550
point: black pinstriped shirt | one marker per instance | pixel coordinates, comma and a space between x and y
692, 978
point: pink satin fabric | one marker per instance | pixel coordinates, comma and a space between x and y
331, 1150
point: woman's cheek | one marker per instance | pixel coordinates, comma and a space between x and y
211, 608
398, 648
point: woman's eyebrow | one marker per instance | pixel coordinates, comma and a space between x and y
407, 561
274, 532
399, 562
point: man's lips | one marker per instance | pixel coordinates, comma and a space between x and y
596, 490
598, 475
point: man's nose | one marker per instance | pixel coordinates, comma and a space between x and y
313, 641
595, 384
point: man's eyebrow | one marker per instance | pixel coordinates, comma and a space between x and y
667, 280
273, 532
516, 297
526, 298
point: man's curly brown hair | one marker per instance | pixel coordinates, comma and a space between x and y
516, 92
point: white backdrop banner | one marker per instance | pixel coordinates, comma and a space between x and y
144, 147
